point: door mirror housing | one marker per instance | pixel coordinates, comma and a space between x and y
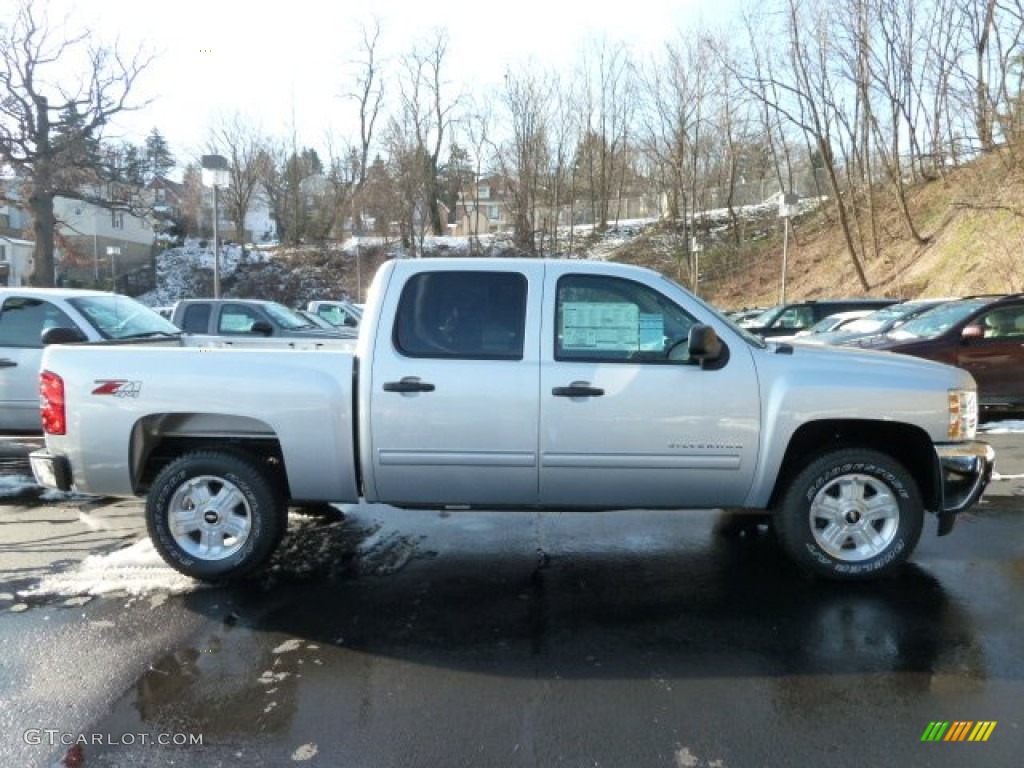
262, 327
703, 346
61, 335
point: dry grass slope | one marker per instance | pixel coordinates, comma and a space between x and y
972, 221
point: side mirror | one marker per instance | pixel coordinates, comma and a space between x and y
973, 332
703, 344
61, 335
262, 327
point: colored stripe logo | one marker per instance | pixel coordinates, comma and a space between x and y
959, 730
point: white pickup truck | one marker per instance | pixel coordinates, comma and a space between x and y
520, 384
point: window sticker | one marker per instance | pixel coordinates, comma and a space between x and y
652, 331
600, 325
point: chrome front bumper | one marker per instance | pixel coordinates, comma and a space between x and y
966, 469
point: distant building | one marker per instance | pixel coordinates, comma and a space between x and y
91, 244
482, 208
15, 260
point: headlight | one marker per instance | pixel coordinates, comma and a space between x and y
963, 414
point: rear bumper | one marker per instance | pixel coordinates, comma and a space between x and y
966, 469
50, 471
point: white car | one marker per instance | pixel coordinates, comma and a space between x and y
827, 324
90, 316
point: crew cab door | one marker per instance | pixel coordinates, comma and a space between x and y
624, 425
453, 390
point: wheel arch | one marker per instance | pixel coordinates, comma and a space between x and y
909, 445
158, 439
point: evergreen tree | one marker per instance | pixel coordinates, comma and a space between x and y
159, 159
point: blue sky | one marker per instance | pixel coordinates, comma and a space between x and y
284, 65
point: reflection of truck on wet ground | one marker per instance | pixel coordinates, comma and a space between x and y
521, 384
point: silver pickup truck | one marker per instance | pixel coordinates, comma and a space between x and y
520, 384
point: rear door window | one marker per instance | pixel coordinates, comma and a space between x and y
462, 314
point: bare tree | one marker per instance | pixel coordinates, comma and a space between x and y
50, 131
808, 97
562, 131
477, 124
241, 141
981, 21
524, 156
610, 96
428, 115
677, 90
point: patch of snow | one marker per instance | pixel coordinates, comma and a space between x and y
305, 752
135, 570
1002, 427
288, 646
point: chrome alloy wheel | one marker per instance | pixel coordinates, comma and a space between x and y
854, 517
209, 517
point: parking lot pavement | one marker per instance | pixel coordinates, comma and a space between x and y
44, 532
42, 537
1008, 478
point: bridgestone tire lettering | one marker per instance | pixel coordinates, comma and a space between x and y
852, 514
265, 515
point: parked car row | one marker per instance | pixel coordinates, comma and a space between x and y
981, 334
249, 317
790, 318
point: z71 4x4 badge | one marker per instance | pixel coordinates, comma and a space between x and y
118, 387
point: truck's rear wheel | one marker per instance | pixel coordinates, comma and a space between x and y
850, 514
213, 516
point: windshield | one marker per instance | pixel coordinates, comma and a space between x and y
119, 317
888, 317
827, 324
287, 318
763, 319
868, 324
937, 321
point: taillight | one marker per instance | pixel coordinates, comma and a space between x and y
51, 403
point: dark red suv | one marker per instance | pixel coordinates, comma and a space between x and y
984, 335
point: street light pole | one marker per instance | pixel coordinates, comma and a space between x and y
215, 174
788, 207
216, 248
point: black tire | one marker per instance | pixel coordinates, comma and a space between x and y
214, 541
865, 534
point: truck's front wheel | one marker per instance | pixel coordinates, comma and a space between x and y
850, 514
213, 516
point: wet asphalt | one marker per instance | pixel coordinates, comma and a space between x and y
394, 638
